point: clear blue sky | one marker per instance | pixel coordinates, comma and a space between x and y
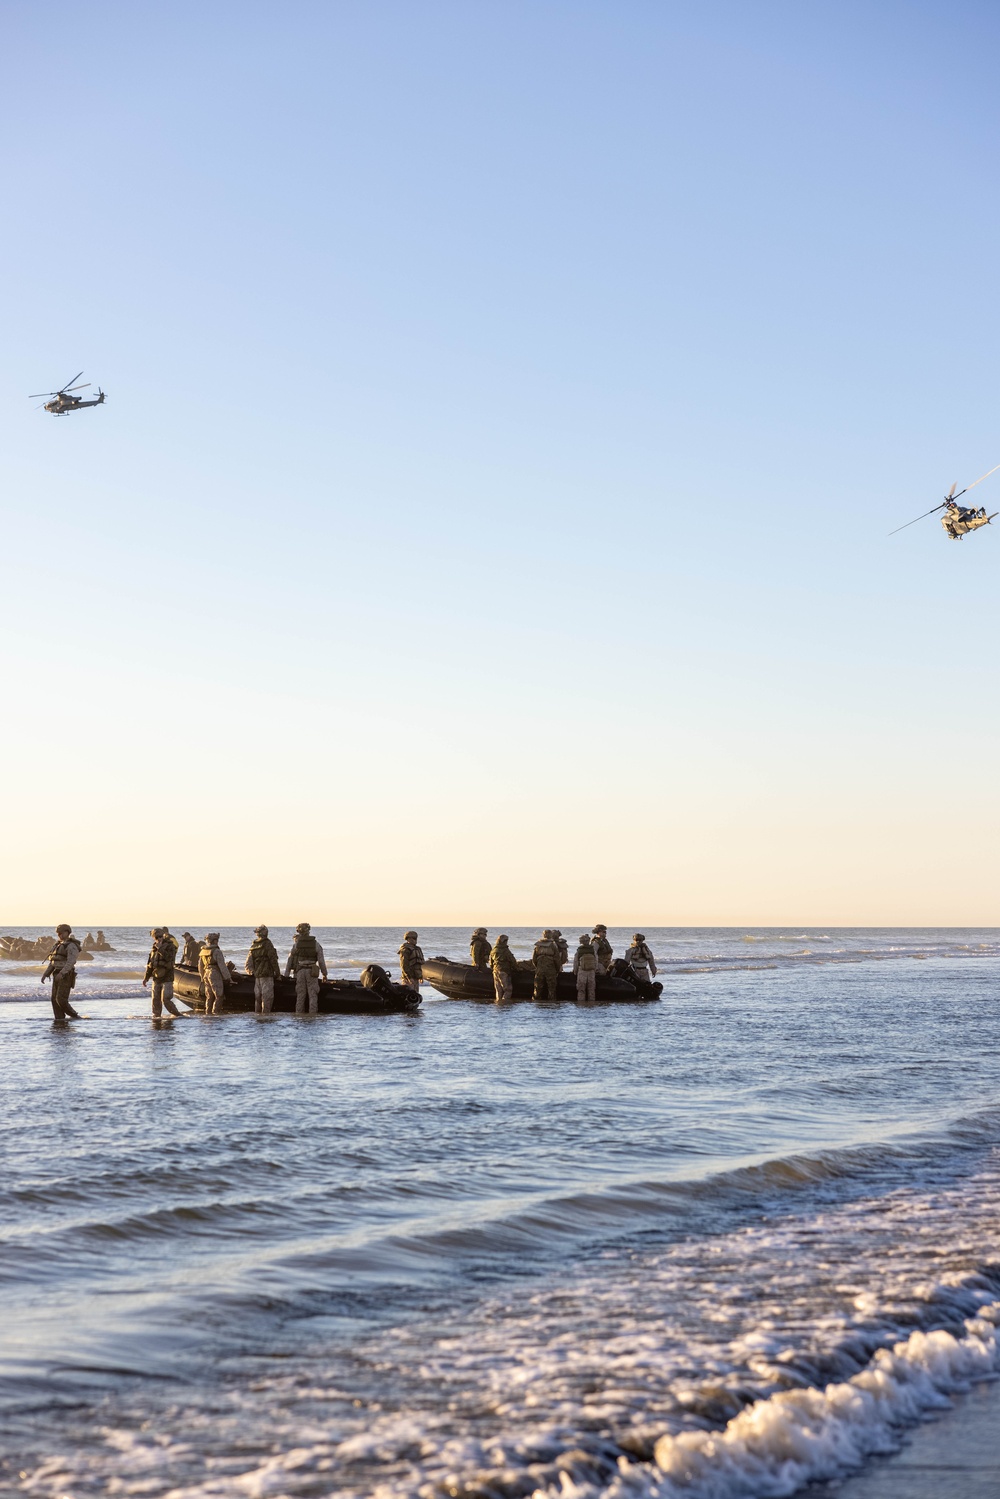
507, 405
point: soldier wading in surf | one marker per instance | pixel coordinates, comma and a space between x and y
61, 970
263, 966
215, 974
160, 971
504, 966
585, 971
545, 960
307, 962
411, 962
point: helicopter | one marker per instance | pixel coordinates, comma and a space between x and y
958, 520
63, 401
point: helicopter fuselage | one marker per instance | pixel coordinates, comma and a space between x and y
958, 521
61, 406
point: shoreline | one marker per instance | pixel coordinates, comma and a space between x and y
957, 1454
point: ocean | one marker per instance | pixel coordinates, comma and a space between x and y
731, 1244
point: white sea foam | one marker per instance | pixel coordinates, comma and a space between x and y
776, 1446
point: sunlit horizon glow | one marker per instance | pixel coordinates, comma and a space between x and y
507, 409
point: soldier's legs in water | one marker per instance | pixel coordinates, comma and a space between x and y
61, 990
162, 991
545, 983
301, 992
263, 994
586, 987
214, 991
312, 984
156, 996
503, 985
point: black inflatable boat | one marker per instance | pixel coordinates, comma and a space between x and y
462, 981
336, 996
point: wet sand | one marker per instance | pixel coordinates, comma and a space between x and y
954, 1457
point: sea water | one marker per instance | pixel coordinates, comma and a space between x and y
727, 1244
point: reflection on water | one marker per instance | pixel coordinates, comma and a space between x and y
503, 1251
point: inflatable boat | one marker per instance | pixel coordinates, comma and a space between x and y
462, 981
336, 996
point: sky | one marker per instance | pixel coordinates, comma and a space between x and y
507, 406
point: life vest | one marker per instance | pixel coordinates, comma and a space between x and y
60, 952
479, 951
306, 948
265, 959
502, 959
546, 951
586, 960
161, 960
411, 959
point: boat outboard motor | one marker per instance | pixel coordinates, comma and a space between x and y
621, 968
378, 981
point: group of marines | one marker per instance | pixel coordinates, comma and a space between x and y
548, 959
306, 960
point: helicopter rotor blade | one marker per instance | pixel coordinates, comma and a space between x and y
919, 517
45, 393
981, 478
951, 493
66, 390
70, 382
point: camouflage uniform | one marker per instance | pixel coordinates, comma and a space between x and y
191, 950
562, 945
214, 973
603, 949
642, 959
545, 960
307, 960
262, 963
585, 971
411, 962
504, 966
479, 948
160, 970
62, 971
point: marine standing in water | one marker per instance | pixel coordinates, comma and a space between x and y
603, 948
545, 960
61, 969
562, 945
212, 967
191, 950
262, 964
504, 966
641, 958
585, 971
307, 962
411, 962
160, 969
479, 948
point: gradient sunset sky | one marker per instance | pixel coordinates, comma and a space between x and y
507, 406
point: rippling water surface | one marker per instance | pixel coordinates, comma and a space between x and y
723, 1245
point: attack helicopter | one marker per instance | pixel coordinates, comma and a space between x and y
958, 520
63, 400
